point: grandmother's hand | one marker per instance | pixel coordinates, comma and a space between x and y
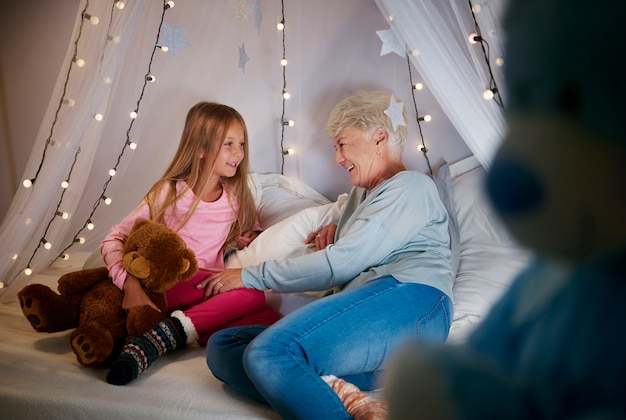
323, 237
222, 282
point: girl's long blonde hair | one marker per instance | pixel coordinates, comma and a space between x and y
206, 127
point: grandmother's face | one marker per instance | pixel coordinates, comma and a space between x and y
356, 151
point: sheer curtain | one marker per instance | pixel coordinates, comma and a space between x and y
42, 219
453, 68
204, 62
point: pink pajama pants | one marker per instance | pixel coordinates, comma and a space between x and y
238, 307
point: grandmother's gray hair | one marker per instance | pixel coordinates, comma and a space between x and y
366, 111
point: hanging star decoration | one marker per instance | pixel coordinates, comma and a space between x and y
390, 43
243, 57
241, 10
256, 9
394, 112
173, 38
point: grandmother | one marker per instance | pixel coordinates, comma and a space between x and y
388, 260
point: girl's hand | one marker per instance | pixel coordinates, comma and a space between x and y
222, 282
323, 237
134, 295
246, 239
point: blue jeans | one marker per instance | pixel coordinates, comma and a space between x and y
352, 334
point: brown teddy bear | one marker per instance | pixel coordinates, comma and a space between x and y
89, 301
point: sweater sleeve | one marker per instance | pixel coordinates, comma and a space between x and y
113, 244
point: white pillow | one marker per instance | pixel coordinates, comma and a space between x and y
490, 257
286, 238
278, 197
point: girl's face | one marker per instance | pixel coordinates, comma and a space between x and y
231, 153
356, 153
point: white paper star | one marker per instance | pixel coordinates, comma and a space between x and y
243, 57
173, 38
390, 43
394, 112
241, 9
256, 9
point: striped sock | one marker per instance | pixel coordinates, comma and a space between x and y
139, 352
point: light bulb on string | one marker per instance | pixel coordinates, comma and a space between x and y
112, 172
79, 62
488, 94
65, 184
286, 94
133, 114
280, 25
65, 256
94, 20
169, 5
80, 240
120, 4
27, 183
90, 225
28, 271
46, 244
163, 48
150, 78
425, 118
283, 62
499, 62
473, 38
69, 102
64, 215
131, 145
107, 200
289, 123
418, 86
289, 151
422, 148
98, 117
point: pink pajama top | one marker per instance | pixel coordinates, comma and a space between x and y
205, 232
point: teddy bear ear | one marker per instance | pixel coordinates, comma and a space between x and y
190, 265
139, 223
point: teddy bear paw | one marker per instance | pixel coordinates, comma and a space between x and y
32, 311
91, 350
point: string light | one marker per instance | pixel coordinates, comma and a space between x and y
64, 215
133, 114
79, 62
491, 93
27, 183
68, 101
94, 20
107, 200
425, 118
285, 95
150, 78
169, 5
120, 4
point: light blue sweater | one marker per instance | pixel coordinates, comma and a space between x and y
399, 228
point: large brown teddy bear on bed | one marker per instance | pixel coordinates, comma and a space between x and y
89, 301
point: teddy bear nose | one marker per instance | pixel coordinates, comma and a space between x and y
513, 187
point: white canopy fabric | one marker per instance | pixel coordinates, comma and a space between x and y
229, 51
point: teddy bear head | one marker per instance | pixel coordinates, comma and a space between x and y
558, 180
157, 256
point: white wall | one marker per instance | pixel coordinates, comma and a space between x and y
34, 36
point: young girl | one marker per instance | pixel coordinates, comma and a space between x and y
204, 195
